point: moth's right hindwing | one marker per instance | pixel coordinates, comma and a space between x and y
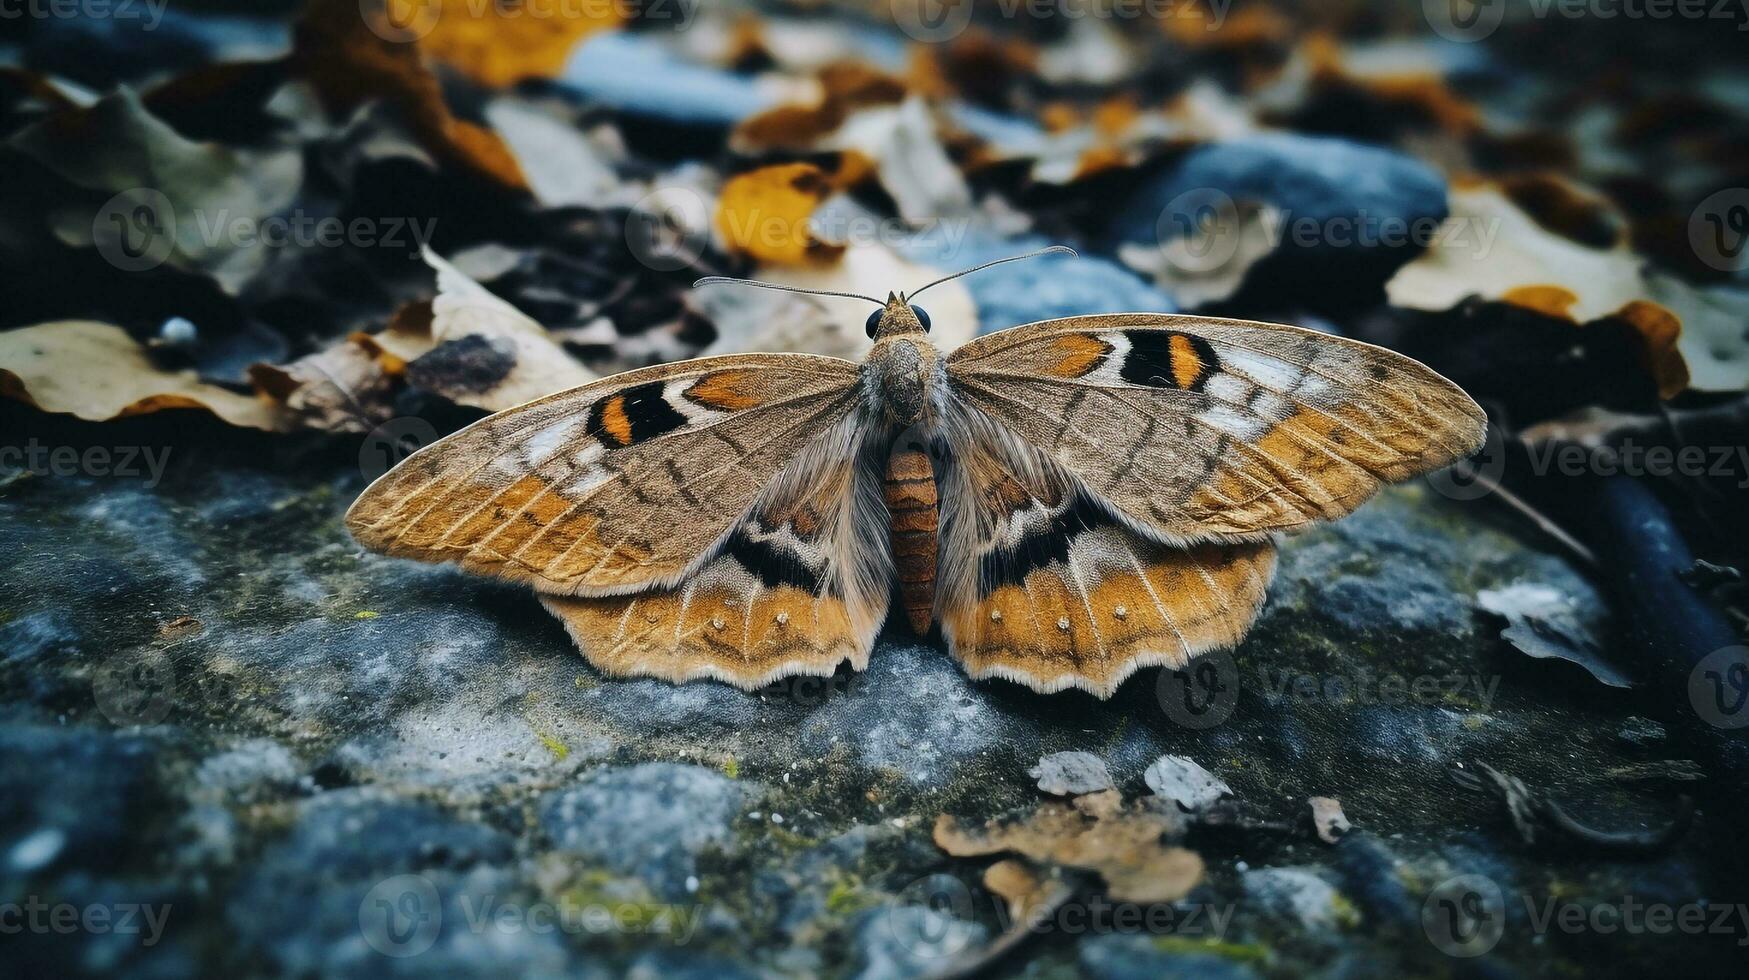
1042, 584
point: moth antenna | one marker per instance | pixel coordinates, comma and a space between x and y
986, 265
708, 280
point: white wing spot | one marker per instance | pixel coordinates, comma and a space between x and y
1270, 372
1063, 623
782, 618
1121, 612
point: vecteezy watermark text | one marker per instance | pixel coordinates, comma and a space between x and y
1206, 692
33, 915
1632, 459
151, 12
127, 462
403, 916
1467, 916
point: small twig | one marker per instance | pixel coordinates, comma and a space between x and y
1531, 812
1541, 520
1621, 842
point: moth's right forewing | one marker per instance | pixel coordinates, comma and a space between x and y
613, 487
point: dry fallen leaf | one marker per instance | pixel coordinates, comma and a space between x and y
349, 63
487, 353
1124, 844
1498, 252
96, 371
1543, 622
342, 389
499, 44
764, 214
1018, 884
176, 201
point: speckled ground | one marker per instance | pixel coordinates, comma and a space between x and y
354, 765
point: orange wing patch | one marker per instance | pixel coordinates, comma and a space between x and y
1188, 367
728, 391
712, 627
615, 422
1116, 604
1077, 355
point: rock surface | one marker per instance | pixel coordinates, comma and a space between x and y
324, 761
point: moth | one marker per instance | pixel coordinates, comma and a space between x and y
1069, 500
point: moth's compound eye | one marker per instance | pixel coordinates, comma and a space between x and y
922, 317
874, 321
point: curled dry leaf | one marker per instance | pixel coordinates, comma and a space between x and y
869, 115
1017, 883
96, 371
342, 389
466, 345
1328, 819
1125, 844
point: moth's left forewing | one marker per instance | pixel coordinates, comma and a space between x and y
1199, 429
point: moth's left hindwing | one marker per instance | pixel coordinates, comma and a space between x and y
704, 518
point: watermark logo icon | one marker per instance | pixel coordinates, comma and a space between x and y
932, 21
391, 442
932, 917
135, 230
400, 21
1199, 230
1463, 20
1476, 477
1718, 230
1718, 687
401, 916
1202, 694
668, 229
1465, 916
135, 687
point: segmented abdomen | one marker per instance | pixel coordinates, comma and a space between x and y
911, 502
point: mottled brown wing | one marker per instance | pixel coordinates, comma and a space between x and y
1201, 429
1042, 584
799, 585
622, 485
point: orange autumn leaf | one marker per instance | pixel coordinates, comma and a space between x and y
1555, 301
502, 43
351, 59
764, 214
1659, 329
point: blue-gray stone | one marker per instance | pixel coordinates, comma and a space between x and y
650, 820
